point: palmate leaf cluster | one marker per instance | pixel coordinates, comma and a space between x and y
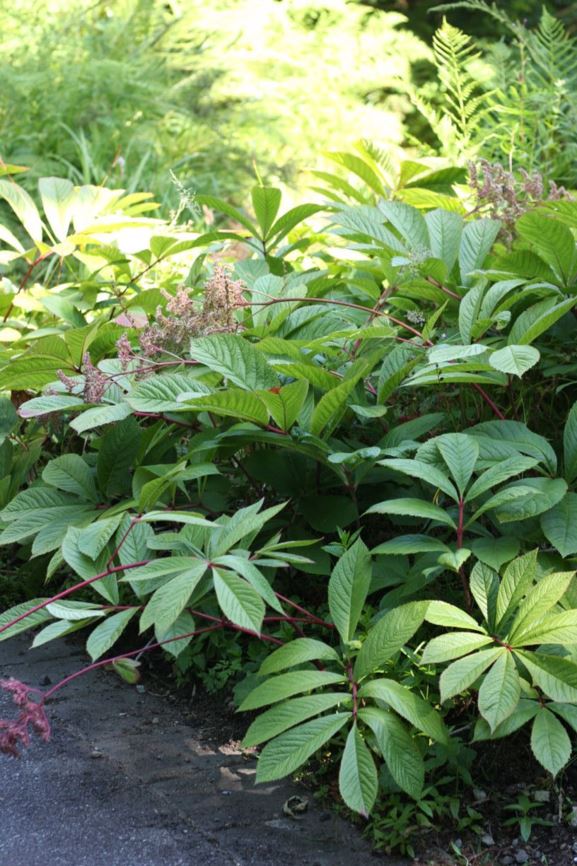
366, 477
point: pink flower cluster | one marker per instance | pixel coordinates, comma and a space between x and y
15, 733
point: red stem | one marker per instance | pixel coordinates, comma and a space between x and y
310, 616
70, 590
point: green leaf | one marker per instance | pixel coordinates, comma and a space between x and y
218, 204
560, 628
292, 218
537, 319
506, 499
71, 474
233, 403
550, 742
389, 634
407, 704
23, 206
469, 312
484, 586
33, 372
236, 359
239, 602
159, 393
559, 525
266, 202
128, 670
286, 715
303, 649
552, 241
413, 508
515, 360
358, 782
285, 406
477, 239
442, 613
285, 754
499, 473
348, 588
183, 625
331, 407
424, 471
107, 633
453, 645
93, 539
398, 748
31, 621
464, 672
98, 416
57, 194
168, 602
500, 690
445, 230
284, 686
256, 578
499, 440
570, 446
539, 601
460, 453
404, 544
517, 580
556, 676
46, 404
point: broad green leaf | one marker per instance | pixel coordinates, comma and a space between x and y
246, 522
302, 649
348, 588
98, 416
358, 781
500, 690
44, 405
425, 472
407, 220
556, 676
266, 202
442, 353
286, 715
547, 492
71, 474
545, 595
184, 624
285, 754
167, 603
32, 372
570, 446
517, 581
460, 453
236, 359
107, 633
453, 645
552, 241
256, 578
239, 602
331, 407
550, 742
221, 206
233, 403
389, 634
93, 539
559, 525
560, 628
454, 559
484, 586
168, 565
463, 673
404, 544
499, 440
398, 748
284, 686
477, 239
506, 498
85, 567
31, 621
292, 218
285, 406
413, 508
407, 704
499, 473
515, 360
158, 394
537, 319
442, 613
445, 229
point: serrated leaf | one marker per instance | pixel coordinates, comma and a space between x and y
57, 195
98, 416
412, 508
453, 645
30, 621
167, 603
407, 704
283, 686
500, 691
550, 742
278, 719
537, 319
348, 588
236, 359
484, 586
71, 474
442, 613
266, 202
93, 539
303, 649
285, 754
460, 453
389, 634
239, 602
552, 241
570, 446
398, 748
559, 525
184, 624
464, 672
358, 782
477, 239
424, 471
499, 473
404, 544
515, 360
107, 633
556, 676
24, 208
517, 580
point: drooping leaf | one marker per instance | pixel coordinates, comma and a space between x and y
389, 634
398, 748
358, 782
348, 588
500, 690
515, 360
550, 742
283, 686
289, 714
296, 652
285, 754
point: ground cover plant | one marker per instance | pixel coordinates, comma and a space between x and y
325, 452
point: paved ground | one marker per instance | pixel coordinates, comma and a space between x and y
127, 781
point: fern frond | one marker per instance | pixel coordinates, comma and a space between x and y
453, 53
